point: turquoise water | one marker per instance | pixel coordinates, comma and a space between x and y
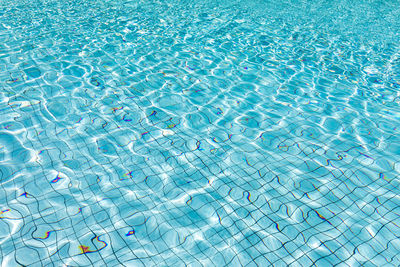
199, 133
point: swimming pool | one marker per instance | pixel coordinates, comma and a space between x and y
199, 133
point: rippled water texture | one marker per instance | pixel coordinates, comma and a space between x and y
215, 133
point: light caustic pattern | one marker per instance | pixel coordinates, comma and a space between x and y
208, 133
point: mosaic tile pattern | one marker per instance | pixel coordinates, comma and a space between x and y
208, 133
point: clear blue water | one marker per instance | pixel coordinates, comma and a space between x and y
199, 133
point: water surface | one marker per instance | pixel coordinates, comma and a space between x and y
199, 133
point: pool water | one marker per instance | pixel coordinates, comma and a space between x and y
199, 133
